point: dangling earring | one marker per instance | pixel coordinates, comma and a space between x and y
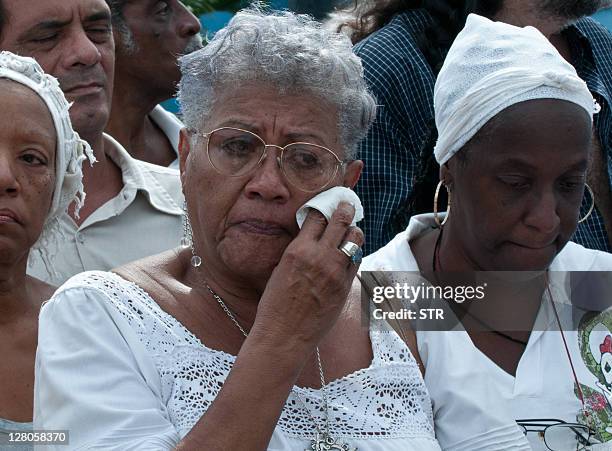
588, 188
435, 206
187, 240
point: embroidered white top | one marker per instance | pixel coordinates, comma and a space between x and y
544, 386
122, 374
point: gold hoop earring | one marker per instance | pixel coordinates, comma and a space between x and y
435, 206
588, 188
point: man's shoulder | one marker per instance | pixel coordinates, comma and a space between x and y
392, 55
169, 124
574, 257
161, 177
399, 37
165, 119
161, 184
593, 30
600, 42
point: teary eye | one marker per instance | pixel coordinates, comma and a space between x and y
236, 147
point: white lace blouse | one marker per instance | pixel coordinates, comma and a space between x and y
121, 374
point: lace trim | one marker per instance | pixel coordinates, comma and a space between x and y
388, 399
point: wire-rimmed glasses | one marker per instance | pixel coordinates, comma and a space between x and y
559, 435
236, 152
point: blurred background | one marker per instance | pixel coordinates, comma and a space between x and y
214, 14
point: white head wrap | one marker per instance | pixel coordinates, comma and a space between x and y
70, 150
491, 66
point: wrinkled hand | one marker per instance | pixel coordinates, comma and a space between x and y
310, 285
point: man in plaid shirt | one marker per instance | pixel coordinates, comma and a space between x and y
401, 77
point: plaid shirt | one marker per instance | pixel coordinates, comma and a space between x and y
403, 82
591, 46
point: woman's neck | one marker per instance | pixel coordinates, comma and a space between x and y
240, 296
506, 294
439, 251
14, 292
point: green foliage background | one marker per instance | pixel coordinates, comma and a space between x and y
206, 6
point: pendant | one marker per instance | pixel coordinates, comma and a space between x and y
323, 442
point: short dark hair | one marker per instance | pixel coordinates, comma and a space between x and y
116, 7
447, 19
2, 18
124, 40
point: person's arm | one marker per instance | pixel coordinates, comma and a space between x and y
367, 281
302, 301
94, 377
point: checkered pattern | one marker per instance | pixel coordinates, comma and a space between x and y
403, 82
591, 46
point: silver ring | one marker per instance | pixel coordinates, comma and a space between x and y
352, 251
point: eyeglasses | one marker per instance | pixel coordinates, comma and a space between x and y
559, 435
235, 152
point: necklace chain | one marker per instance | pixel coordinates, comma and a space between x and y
437, 266
231, 316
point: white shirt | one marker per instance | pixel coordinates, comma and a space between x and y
544, 384
122, 374
170, 125
145, 218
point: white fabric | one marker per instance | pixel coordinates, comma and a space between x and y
491, 66
121, 374
456, 370
143, 219
170, 125
71, 150
327, 202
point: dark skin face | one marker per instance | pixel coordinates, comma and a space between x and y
27, 181
161, 30
516, 195
252, 217
27, 168
72, 40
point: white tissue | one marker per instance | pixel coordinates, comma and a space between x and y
327, 202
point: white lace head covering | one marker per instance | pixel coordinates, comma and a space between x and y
491, 66
70, 149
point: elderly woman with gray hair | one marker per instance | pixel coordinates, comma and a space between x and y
40, 176
238, 340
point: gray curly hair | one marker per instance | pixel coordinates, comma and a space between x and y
291, 52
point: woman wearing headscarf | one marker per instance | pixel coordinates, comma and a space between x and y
243, 340
515, 124
40, 176
234, 341
403, 43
